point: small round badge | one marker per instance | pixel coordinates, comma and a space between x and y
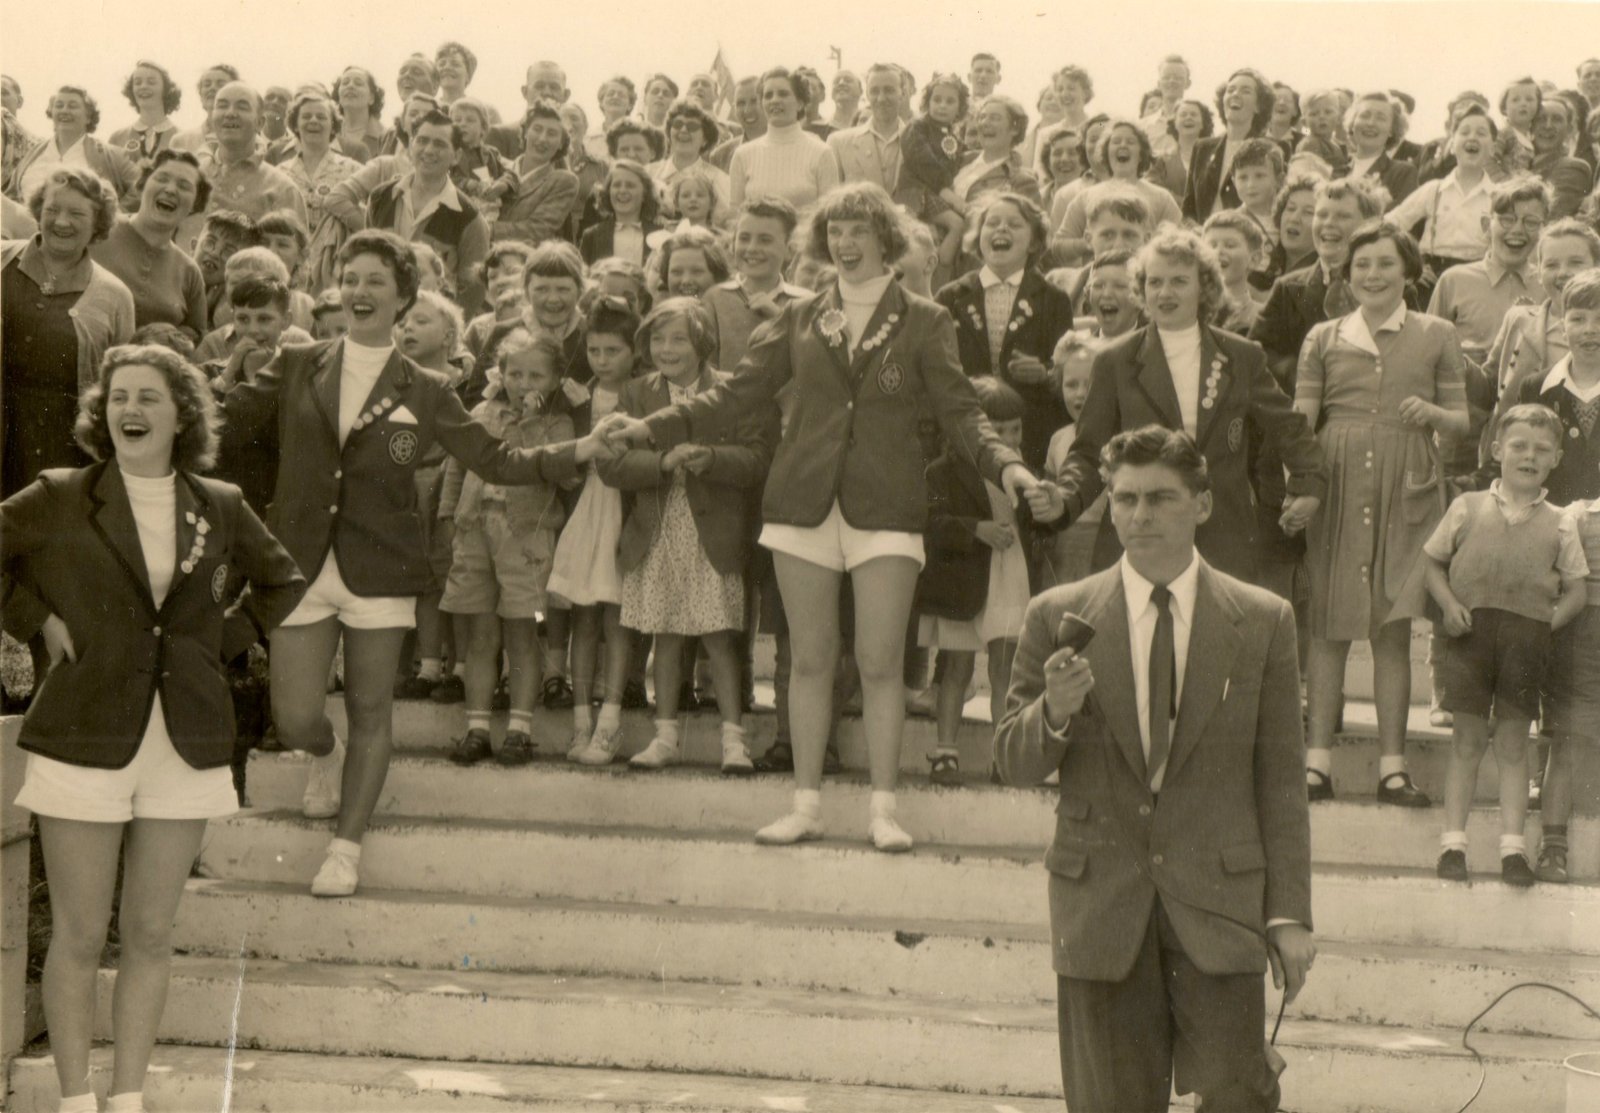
891, 378
403, 446
219, 582
1235, 434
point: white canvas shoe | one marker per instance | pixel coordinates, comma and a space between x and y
323, 786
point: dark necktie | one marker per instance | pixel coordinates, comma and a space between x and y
1163, 683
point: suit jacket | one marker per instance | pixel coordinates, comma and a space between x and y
359, 501
1040, 316
1206, 191
851, 435
1011, 176
69, 542
1226, 846
857, 153
1294, 306
739, 460
539, 207
1132, 387
596, 242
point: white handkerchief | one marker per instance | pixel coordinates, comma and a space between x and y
402, 416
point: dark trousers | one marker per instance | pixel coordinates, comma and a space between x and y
1122, 1042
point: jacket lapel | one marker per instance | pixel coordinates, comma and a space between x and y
112, 520
1213, 644
1155, 379
1111, 659
1215, 381
827, 306
325, 384
972, 315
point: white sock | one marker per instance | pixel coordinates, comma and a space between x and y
667, 731
583, 718
1389, 766
808, 802
1320, 760
132, 1102
733, 730
478, 720
79, 1103
460, 670
345, 847
430, 668
1513, 844
610, 715
882, 805
1453, 840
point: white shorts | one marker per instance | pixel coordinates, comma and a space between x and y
838, 545
328, 597
156, 784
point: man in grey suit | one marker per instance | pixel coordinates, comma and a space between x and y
870, 152
1181, 865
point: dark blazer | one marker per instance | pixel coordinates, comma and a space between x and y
70, 542
1577, 474
1226, 847
596, 243
1132, 387
1294, 306
1206, 191
360, 501
851, 436
1396, 176
1040, 316
739, 459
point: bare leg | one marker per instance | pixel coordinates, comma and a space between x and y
80, 864
585, 643
527, 663
1470, 738
483, 660
300, 659
883, 591
668, 674
369, 663
1391, 683
1325, 681
161, 852
722, 650
952, 694
811, 602
1511, 753
619, 650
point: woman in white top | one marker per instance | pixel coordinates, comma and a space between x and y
75, 115
787, 161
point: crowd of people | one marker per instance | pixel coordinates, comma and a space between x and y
537, 405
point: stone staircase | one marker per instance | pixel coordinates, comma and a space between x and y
594, 941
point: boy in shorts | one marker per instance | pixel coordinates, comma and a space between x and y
1507, 569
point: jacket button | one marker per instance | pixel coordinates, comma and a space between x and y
338, 473
156, 630
334, 509
1144, 809
1156, 859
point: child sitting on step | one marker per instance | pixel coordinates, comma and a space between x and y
1505, 568
585, 573
973, 591
686, 534
504, 540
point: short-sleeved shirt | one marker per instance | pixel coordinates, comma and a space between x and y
1475, 297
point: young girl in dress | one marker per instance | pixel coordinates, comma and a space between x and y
1378, 385
931, 155
974, 589
585, 573
684, 538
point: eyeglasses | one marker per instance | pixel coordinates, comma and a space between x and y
1528, 223
683, 123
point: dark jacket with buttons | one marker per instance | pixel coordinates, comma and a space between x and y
359, 501
739, 460
71, 548
852, 429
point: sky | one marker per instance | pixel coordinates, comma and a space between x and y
1430, 48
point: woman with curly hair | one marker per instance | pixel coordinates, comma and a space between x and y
74, 115
1375, 122
691, 135
360, 100
541, 202
166, 283
845, 492
317, 167
59, 312
155, 97
132, 567
628, 210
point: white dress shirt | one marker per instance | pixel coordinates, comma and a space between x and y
1182, 349
1142, 631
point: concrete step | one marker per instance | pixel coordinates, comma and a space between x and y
763, 1032
1352, 831
977, 962
934, 882
202, 1079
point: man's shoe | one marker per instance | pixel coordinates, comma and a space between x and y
1514, 870
517, 749
472, 748
1397, 789
450, 689
1452, 865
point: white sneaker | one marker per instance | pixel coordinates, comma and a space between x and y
658, 755
580, 743
792, 828
338, 876
323, 786
887, 835
736, 754
601, 748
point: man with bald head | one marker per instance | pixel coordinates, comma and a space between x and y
241, 178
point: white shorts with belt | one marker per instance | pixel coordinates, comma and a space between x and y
329, 597
840, 546
156, 784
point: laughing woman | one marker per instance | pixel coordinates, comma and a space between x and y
130, 569
1245, 103
360, 105
75, 115
846, 493
541, 203
317, 168
349, 421
155, 97
165, 282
